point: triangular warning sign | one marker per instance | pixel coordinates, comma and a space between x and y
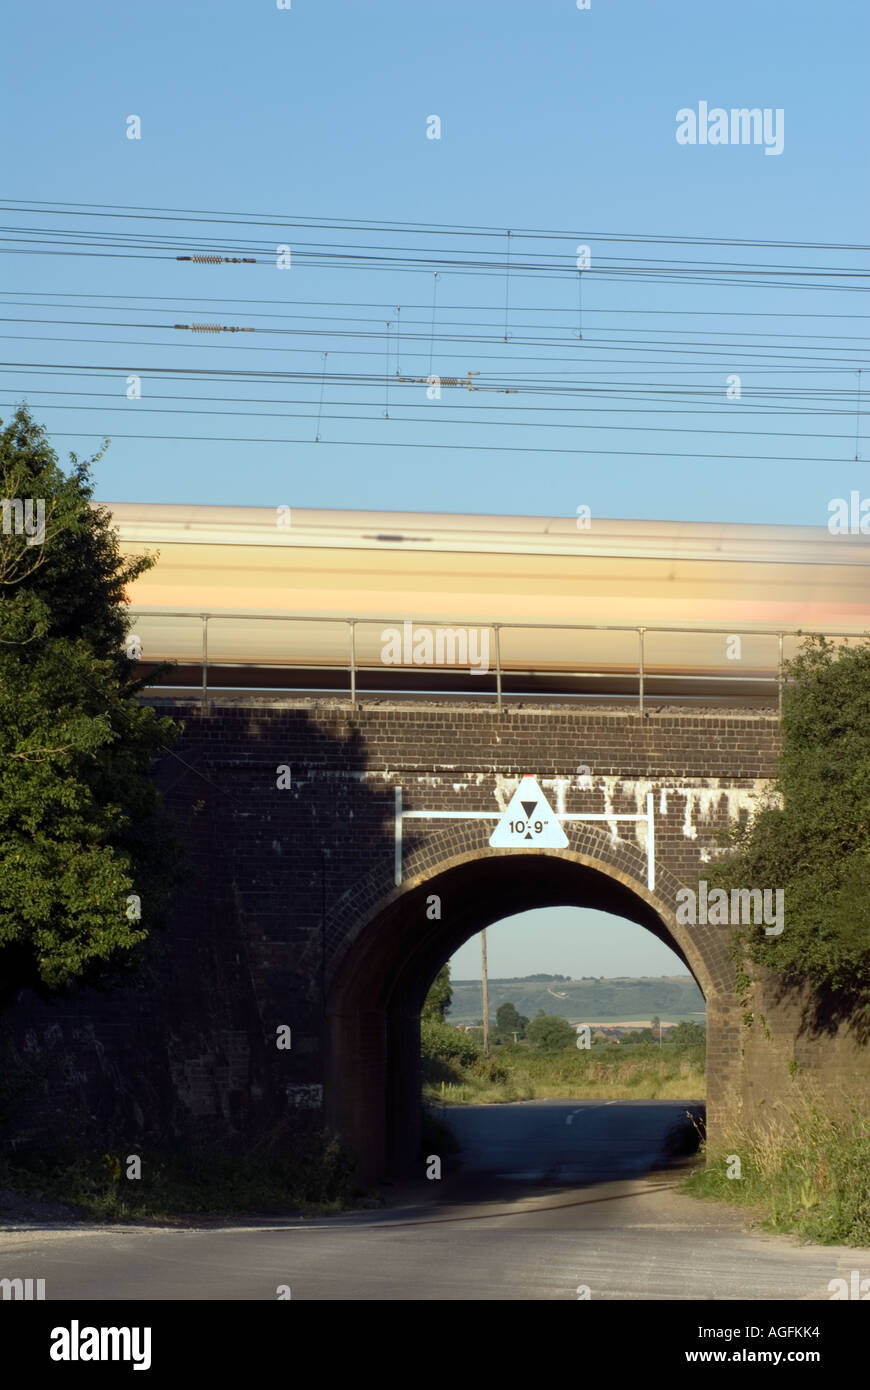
529, 821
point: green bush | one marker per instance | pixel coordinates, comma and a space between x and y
551, 1033
808, 837
283, 1172
487, 1070
444, 1050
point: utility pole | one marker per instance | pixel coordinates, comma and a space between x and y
485, 994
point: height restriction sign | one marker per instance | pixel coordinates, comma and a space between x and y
529, 821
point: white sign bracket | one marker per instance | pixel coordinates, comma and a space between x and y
648, 816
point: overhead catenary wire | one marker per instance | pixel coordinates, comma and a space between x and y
590, 388
547, 264
320, 404
471, 448
564, 340
671, 350
790, 367
524, 409
814, 281
379, 304
291, 219
440, 419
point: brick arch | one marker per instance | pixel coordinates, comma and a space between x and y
435, 852
383, 952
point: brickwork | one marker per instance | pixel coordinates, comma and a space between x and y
289, 913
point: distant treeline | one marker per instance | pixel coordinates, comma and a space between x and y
669, 997
515, 979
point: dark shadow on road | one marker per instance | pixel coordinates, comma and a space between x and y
534, 1148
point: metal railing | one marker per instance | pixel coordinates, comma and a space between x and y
640, 672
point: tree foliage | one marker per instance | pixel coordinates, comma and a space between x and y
80, 825
687, 1034
509, 1020
445, 1050
811, 835
437, 1001
551, 1033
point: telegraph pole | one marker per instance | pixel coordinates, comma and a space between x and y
485, 994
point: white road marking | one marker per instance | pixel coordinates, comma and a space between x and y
581, 1108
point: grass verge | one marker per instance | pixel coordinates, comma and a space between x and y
645, 1071
807, 1173
317, 1177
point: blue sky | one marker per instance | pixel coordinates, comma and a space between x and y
551, 118
569, 941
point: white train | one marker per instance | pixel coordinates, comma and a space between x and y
391, 601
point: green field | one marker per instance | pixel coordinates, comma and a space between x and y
458, 1073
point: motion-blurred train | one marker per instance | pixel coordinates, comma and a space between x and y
255, 598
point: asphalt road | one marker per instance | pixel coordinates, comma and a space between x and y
557, 1143
552, 1197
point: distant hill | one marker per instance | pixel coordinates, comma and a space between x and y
668, 996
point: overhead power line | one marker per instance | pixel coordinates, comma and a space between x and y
471, 448
627, 360
369, 224
438, 418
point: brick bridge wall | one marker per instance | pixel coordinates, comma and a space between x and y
289, 914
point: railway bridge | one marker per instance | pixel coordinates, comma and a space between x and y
342, 854
337, 788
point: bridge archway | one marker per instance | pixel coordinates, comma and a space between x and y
388, 944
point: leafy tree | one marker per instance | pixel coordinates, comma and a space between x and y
509, 1020
811, 836
551, 1033
437, 1001
445, 1051
81, 837
688, 1034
